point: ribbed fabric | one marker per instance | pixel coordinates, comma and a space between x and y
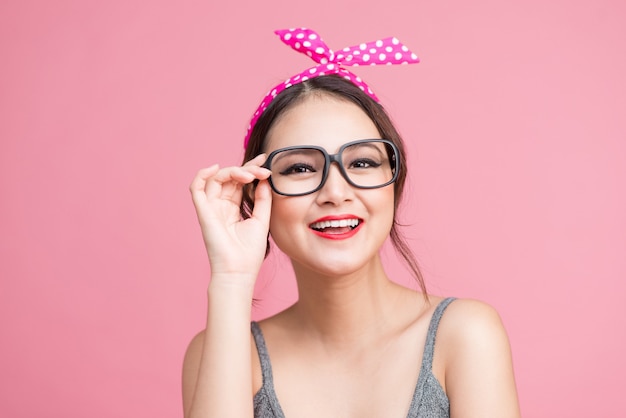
429, 399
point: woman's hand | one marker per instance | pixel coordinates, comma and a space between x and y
235, 247
217, 371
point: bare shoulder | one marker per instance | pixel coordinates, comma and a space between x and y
193, 353
469, 321
476, 356
471, 330
191, 366
195, 346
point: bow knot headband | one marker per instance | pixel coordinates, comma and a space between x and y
388, 51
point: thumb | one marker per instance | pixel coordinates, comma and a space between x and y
262, 202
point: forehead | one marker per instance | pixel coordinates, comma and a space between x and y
321, 120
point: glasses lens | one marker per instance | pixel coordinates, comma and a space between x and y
369, 164
297, 171
365, 164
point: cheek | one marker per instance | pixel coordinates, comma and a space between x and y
284, 215
385, 206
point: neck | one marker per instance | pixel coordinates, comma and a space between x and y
340, 310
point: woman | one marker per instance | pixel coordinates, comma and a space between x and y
324, 175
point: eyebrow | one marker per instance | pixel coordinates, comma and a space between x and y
307, 149
372, 145
295, 151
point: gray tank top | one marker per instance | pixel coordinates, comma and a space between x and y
429, 399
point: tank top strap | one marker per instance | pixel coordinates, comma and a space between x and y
266, 367
265, 398
429, 348
265, 401
426, 382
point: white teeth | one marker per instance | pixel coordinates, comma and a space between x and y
335, 224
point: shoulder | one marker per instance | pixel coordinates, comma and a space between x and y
470, 330
475, 353
193, 355
470, 321
194, 352
191, 365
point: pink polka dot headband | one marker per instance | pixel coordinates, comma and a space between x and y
388, 51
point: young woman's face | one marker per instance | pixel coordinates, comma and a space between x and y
339, 228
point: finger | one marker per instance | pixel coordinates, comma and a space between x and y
255, 166
198, 185
260, 173
234, 177
226, 182
202, 176
213, 182
262, 202
199, 182
227, 187
258, 160
244, 174
233, 191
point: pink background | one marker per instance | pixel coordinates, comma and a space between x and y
516, 126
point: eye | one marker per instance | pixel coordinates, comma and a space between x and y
297, 169
364, 163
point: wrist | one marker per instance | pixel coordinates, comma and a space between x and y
229, 301
242, 284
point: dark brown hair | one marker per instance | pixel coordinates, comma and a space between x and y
343, 89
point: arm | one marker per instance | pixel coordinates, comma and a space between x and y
217, 370
479, 375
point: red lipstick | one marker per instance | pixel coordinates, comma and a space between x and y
337, 227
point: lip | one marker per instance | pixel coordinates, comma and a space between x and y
345, 235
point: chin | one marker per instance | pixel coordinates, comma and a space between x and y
333, 265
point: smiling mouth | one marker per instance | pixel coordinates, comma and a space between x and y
335, 226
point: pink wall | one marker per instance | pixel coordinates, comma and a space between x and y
516, 129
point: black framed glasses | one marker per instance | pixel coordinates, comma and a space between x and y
301, 170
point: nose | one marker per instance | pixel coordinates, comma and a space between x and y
335, 189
